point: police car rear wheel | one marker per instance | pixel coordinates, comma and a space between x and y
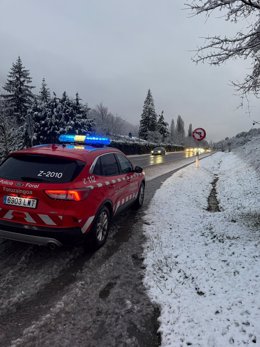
100, 229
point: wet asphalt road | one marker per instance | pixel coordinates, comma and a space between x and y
72, 297
155, 160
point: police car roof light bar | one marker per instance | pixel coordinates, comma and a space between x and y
86, 139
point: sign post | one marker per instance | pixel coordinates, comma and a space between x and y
198, 134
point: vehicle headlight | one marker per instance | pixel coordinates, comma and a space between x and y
159, 151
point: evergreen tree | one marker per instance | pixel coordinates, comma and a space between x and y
74, 116
44, 95
77, 103
172, 132
60, 116
11, 137
4, 136
64, 97
18, 97
189, 141
33, 120
180, 132
190, 130
154, 137
46, 121
148, 120
162, 127
81, 114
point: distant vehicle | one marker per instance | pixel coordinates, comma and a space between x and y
66, 193
195, 150
158, 151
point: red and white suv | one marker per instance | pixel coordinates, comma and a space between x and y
59, 194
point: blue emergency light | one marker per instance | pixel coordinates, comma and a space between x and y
86, 139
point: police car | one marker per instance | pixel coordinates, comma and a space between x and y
62, 194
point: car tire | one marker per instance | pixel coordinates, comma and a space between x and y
100, 229
140, 197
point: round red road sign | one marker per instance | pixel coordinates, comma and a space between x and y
199, 134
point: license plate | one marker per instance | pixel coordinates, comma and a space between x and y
17, 201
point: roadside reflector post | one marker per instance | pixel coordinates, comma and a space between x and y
197, 161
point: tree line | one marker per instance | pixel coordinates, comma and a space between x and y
154, 128
28, 118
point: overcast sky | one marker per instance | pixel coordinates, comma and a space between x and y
113, 51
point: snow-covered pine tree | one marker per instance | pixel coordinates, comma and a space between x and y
64, 114
162, 127
172, 132
75, 116
81, 115
180, 131
38, 114
44, 94
148, 120
190, 130
10, 139
4, 136
189, 141
34, 119
18, 96
154, 137
60, 116
46, 121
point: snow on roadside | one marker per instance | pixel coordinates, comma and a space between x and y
202, 267
250, 152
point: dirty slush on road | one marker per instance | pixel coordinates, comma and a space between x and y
71, 297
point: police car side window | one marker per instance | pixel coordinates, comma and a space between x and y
125, 165
97, 169
109, 166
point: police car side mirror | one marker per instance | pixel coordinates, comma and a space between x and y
138, 169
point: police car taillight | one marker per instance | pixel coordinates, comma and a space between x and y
64, 194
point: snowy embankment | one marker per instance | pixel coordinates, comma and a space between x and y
202, 267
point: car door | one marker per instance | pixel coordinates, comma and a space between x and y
107, 176
129, 178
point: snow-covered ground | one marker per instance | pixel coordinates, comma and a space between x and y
203, 267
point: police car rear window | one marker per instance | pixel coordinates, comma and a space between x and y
36, 168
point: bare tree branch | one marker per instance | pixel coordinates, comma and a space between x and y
251, 3
243, 45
